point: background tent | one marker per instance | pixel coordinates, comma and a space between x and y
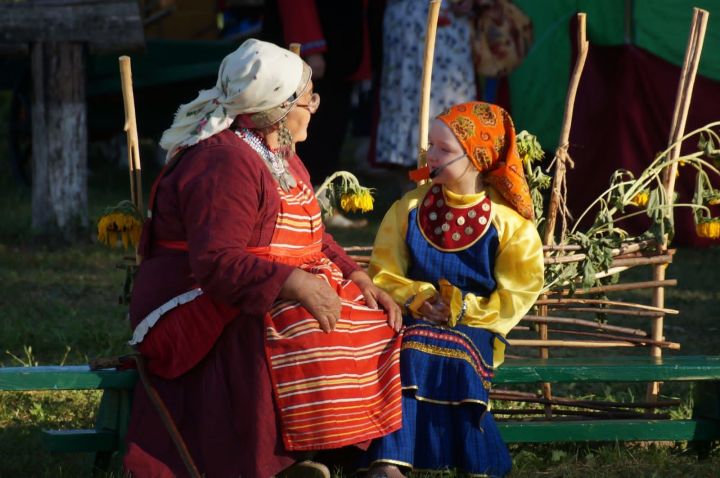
626, 96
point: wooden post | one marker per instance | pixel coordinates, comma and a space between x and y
130, 128
59, 139
559, 179
60, 33
683, 97
431, 31
295, 48
561, 152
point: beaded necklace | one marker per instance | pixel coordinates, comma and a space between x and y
274, 163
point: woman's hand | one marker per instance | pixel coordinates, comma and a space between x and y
315, 295
435, 311
375, 296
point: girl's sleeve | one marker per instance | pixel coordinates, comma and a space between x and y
390, 260
519, 280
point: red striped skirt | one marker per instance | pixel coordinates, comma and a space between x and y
339, 388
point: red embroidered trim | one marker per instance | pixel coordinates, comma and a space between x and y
450, 228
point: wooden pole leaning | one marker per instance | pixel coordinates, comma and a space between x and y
133, 148
561, 151
131, 132
295, 48
558, 185
683, 98
431, 32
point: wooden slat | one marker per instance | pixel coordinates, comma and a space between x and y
77, 441
105, 25
615, 369
72, 377
608, 430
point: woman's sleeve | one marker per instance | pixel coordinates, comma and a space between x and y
390, 261
519, 273
221, 204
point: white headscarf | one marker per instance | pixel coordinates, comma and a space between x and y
259, 77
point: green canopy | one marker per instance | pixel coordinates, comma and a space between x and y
538, 87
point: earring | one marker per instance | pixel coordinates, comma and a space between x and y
285, 139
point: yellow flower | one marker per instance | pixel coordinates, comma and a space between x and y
641, 198
709, 228
360, 200
121, 222
712, 197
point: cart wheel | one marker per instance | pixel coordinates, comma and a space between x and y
20, 137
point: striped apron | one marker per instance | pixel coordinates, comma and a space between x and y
331, 389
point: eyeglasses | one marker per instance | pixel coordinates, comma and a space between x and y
313, 104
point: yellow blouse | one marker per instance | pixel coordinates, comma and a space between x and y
518, 267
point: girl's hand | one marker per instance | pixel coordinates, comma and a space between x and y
374, 297
435, 311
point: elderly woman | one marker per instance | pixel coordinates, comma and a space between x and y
262, 338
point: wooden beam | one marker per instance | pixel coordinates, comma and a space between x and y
104, 25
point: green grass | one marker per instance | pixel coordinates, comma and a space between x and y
59, 304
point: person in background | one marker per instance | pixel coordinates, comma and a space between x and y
334, 42
263, 339
462, 256
453, 80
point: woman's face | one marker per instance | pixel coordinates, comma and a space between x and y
298, 118
446, 158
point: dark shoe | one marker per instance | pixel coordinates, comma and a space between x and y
305, 469
384, 471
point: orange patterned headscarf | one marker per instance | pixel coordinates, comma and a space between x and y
487, 136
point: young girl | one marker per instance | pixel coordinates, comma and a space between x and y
464, 259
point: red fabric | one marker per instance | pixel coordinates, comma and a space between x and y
221, 199
184, 335
364, 71
145, 465
622, 118
335, 389
301, 24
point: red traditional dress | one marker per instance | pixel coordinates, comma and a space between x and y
247, 387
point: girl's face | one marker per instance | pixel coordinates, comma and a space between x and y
298, 118
448, 162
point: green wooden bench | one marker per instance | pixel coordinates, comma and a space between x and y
111, 420
108, 436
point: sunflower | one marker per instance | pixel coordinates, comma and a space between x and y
709, 228
712, 197
122, 222
641, 198
359, 200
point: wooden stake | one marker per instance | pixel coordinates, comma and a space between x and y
683, 98
431, 31
582, 344
133, 145
558, 181
620, 287
132, 135
584, 323
561, 151
631, 313
569, 302
637, 340
698, 25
